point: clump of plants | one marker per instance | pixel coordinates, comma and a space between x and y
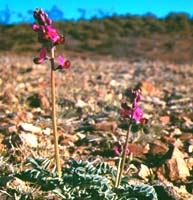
81, 180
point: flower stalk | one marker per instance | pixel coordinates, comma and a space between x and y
54, 124
49, 38
123, 155
132, 113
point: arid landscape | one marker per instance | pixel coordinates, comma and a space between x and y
88, 97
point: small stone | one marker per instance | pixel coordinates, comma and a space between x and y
190, 148
25, 116
46, 131
114, 83
80, 136
165, 120
9, 97
176, 132
11, 128
158, 148
30, 128
178, 143
177, 167
105, 126
186, 136
80, 103
144, 172
189, 163
168, 139
29, 139
137, 150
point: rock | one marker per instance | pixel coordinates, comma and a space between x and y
178, 143
189, 162
176, 132
29, 139
114, 83
150, 89
186, 136
10, 128
168, 139
177, 167
9, 97
165, 120
158, 148
155, 101
30, 128
105, 126
144, 172
80, 103
46, 131
137, 150
25, 116
190, 148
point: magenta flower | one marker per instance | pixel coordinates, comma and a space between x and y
41, 57
47, 33
63, 64
51, 34
126, 113
42, 17
49, 37
138, 114
119, 150
132, 110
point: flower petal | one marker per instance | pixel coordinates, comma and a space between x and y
41, 57
67, 64
61, 60
43, 53
35, 27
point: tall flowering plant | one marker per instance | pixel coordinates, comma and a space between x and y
132, 113
50, 38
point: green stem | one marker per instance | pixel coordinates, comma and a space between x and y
54, 125
118, 171
117, 175
123, 156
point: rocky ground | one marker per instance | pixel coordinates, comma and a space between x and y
88, 110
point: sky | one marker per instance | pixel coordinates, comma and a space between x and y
21, 10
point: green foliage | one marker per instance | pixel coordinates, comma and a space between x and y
130, 36
82, 181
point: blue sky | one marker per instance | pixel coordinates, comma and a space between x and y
19, 8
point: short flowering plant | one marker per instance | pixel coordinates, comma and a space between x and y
132, 114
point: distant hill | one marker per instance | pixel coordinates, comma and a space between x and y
132, 37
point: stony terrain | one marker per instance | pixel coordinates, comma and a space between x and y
88, 110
